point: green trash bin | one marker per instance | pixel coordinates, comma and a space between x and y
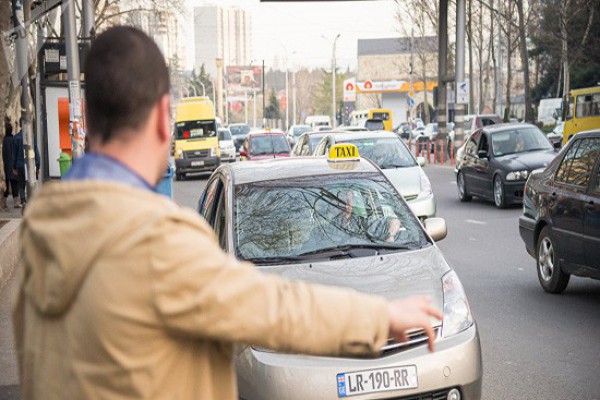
64, 161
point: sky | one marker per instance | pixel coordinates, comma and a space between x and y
299, 28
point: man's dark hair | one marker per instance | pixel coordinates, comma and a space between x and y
125, 76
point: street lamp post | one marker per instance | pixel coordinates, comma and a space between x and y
333, 66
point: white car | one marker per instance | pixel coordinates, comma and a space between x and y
226, 145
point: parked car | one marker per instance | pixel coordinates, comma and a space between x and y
239, 132
560, 224
496, 161
264, 144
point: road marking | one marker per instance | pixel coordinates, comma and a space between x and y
453, 182
474, 221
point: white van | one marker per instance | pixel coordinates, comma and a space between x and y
315, 121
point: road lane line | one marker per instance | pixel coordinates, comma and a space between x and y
474, 221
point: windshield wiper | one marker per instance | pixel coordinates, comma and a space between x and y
276, 260
343, 249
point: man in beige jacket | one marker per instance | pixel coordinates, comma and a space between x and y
128, 296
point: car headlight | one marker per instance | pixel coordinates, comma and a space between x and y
426, 190
214, 152
517, 175
178, 153
457, 312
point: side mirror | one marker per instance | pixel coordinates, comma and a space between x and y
557, 145
436, 228
421, 161
482, 154
243, 153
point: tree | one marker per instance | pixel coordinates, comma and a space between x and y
273, 111
322, 99
196, 81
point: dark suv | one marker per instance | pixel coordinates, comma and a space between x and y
560, 224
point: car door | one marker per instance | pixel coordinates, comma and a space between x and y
591, 222
209, 200
482, 179
467, 163
565, 204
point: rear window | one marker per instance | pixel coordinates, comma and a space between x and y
195, 129
239, 129
269, 144
382, 116
374, 125
224, 134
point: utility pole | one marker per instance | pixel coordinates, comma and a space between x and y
287, 96
459, 116
88, 16
442, 68
499, 84
246, 106
220, 88
22, 69
263, 93
410, 74
254, 107
333, 102
294, 96
74, 75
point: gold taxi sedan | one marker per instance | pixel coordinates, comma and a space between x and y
339, 221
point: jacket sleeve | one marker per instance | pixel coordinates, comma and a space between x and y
201, 291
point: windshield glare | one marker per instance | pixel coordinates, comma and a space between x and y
289, 218
519, 141
269, 144
385, 152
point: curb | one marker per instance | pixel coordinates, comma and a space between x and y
9, 251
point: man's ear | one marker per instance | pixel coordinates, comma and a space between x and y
164, 118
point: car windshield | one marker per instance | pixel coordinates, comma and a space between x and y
374, 125
195, 129
224, 134
239, 129
385, 152
519, 140
299, 130
269, 144
304, 216
315, 139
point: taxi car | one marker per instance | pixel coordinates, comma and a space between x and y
340, 222
495, 162
260, 145
390, 154
560, 224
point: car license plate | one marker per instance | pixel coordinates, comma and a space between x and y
197, 163
377, 380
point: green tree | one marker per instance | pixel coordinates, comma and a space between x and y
323, 99
197, 80
273, 111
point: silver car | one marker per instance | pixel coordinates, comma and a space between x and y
344, 224
397, 163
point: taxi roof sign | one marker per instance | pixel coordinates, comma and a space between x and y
343, 156
343, 152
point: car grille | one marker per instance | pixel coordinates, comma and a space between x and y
190, 155
415, 338
437, 395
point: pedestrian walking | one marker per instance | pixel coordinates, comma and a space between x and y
127, 295
10, 179
20, 167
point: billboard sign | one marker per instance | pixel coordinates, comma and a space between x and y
350, 90
243, 78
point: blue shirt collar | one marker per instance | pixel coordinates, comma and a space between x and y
95, 166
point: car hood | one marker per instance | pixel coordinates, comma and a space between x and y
406, 180
225, 143
393, 275
528, 161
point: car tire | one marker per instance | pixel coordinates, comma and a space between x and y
179, 177
463, 193
499, 194
551, 276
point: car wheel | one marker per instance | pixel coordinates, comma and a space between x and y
499, 195
463, 194
178, 177
552, 278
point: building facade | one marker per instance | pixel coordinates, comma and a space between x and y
221, 32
